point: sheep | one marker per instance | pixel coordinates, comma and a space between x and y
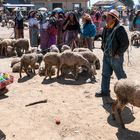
127, 91
16, 67
75, 60
10, 51
21, 46
10, 24
30, 60
53, 48
65, 48
135, 38
4, 44
41, 70
51, 59
92, 58
14, 61
81, 49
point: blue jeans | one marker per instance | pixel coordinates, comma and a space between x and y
111, 64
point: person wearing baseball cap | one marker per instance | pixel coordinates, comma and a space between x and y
114, 43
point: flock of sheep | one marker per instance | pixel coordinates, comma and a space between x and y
65, 61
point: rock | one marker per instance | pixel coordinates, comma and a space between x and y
57, 121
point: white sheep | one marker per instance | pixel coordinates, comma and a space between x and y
75, 60
127, 91
53, 48
81, 49
65, 48
51, 59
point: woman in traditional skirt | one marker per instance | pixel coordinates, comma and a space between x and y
33, 29
60, 22
71, 28
19, 33
43, 31
52, 29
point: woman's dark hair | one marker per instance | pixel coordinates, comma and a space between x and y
61, 15
74, 16
53, 14
97, 15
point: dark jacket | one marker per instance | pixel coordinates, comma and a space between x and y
19, 23
120, 41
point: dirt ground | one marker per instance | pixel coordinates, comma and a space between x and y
81, 115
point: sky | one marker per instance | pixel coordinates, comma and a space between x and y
93, 1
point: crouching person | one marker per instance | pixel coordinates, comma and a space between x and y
88, 31
115, 42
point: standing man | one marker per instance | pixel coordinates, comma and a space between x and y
115, 42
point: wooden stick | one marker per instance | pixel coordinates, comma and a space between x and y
38, 102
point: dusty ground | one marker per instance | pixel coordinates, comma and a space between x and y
82, 116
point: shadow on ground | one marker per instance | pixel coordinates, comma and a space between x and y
69, 80
25, 78
126, 113
126, 134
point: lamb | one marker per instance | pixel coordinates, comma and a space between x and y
21, 46
65, 48
126, 91
81, 49
75, 60
51, 59
30, 60
53, 48
41, 70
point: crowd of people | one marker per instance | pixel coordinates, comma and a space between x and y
59, 28
76, 30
